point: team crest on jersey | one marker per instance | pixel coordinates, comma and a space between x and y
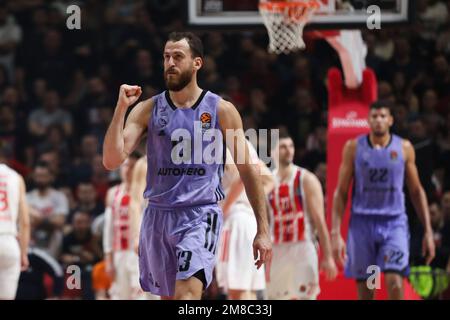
394, 155
205, 119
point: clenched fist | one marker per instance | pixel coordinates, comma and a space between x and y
128, 95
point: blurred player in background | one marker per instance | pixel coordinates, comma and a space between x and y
14, 228
137, 200
378, 235
182, 218
297, 208
236, 271
137, 206
120, 258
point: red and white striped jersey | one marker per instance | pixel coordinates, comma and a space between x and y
121, 219
9, 200
291, 222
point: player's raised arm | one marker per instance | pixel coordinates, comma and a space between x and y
121, 140
340, 200
419, 200
229, 119
315, 204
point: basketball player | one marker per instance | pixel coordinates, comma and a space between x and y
297, 208
14, 229
121, 261
181, 225
137, 201
378, 235
235, 270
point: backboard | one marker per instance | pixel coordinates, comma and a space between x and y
333, 14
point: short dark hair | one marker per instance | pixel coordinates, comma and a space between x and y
195, 44
284, 133
380, 104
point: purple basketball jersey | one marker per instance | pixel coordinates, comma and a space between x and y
195, 181
378, 178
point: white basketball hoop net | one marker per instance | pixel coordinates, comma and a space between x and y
285, 21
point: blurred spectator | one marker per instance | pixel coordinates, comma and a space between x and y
79, 248
87, 201
401, 114
210, 78
401, 61
302, 116
426, 152
10, 37
258, 108
441, 234
321, 173
55, 65
50, 114
441, 70
13, 135
430, 115
82, 166
445, 203
440, 238
67, 190
316, 148
52, 158
96, 97
48, 211
234, 91
55, 140
384, 48
100, 177
142, 71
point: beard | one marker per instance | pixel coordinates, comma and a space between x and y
41, 186
178, 84
380, 133
285, 162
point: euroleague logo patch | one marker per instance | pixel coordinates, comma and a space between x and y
205, 119
394, 155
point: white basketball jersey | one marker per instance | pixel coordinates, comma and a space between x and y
9, 200
231, 174
291, 223
121, 219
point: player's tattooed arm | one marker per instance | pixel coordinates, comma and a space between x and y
340, 199
419, 200
122, 138
230, 120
